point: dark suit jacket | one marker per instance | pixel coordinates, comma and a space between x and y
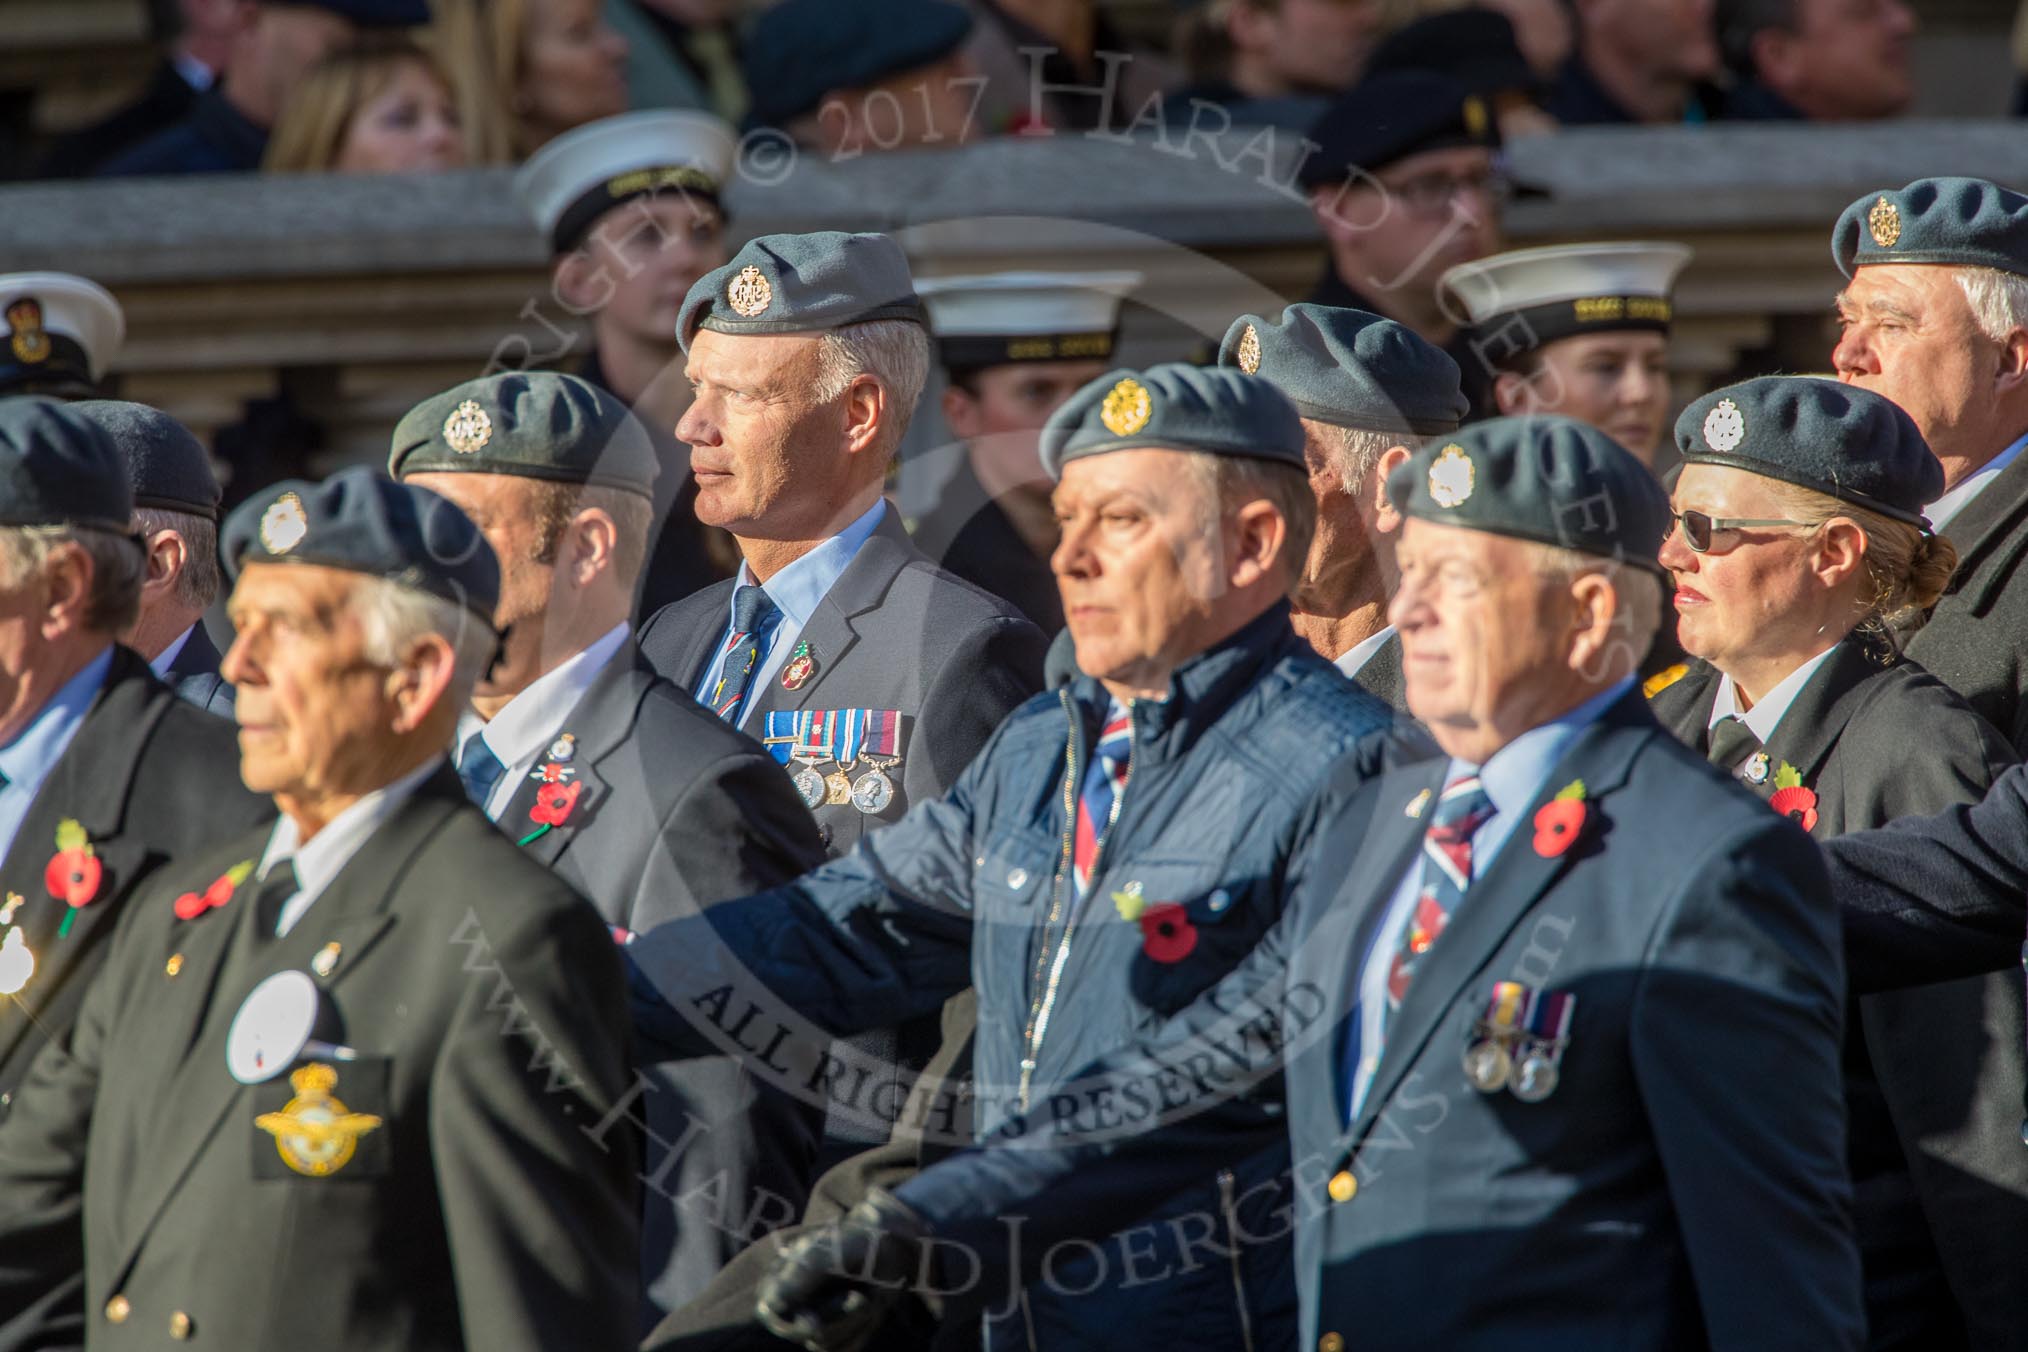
151, 780
212, 138
679, 811
493, 1204
1936, 1075
971, 536
167, 99
1976, 639
195, 676
1683, 1187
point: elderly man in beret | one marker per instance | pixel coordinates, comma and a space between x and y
1568, 905
1118, 846
1369, 391
354, 1056
176, 501
104, 775
627, 788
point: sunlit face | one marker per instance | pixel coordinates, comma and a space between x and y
1617, 382
411, 126
505, 509
770, 464
1001, 415
1345, 541
1908, 332
1141, 561
640, 260
1415, 219
25, 627
314, 714
574, 65
1737, 602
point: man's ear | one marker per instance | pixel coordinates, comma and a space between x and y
168, 554
867, 413
2013, 372
1259, 534
1387, 517
589, 546
418, 683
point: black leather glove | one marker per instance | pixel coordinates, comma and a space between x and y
831, 1290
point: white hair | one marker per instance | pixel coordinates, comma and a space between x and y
1354, 451
119, 567
1999, 300
394, 617
1639, 590
895, 352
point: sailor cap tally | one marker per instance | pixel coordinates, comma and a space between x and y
578, 177
996, 319
1533, 297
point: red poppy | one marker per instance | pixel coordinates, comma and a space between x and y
73, 876
553, 803
1798, 804
1557, 824
1166, 933
193, 904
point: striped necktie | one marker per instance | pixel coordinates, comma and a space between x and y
1099, 801
754, 616
1461, 810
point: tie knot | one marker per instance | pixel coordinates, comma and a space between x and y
1463, 807
753, 609
1731, 741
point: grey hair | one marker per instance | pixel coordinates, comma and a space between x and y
197, 585
119, 566
1999, 300
1354, 451
1230, 482
895, 352
1639, 590
394, 617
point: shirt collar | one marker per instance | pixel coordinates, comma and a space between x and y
318, 862
532, 718
1766, 714
1950, 504
1354, 659
1514, 774
28, 758
797, 589
167, 657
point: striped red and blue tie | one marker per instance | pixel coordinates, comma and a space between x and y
754, 616
1460, 811
1100, 798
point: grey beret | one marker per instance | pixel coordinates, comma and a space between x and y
802, 284
1177, 407
535, 424
363, 523
1964, 221
1350, 368
59, 468
167, 466
1852, 444
1552, 480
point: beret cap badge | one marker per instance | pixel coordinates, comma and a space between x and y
29, 341
1248, 354
283, 525
468, 429
1126, 409
1451, 477
1724, 427
749, 293
1884, 223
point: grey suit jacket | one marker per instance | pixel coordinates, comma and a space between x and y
194, 675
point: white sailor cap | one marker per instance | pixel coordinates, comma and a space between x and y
62, 332
1532, 297
584, 173
1002, 317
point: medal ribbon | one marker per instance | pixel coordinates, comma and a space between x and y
843, 735
1549, 1014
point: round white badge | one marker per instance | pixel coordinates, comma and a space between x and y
1724, 427
272, 1027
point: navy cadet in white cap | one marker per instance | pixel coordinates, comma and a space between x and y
1014, 346
58, 334
632, 208
1578, 329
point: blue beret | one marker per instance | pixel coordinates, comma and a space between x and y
1178, 407
372, 13
1391, 115
535, 424
1350, 368
167, 467
1963, 221
59, 468
800, 50
360, 522
1552, 480
1851, 444
802, 284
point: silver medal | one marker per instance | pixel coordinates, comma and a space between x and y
1756, 768
1535, 1079
872, 793
1487, 1066
811, 786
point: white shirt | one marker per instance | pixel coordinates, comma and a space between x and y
1354, 659
320, 861
26, 761
1950, 504
796, 590
522, 732
1766, 714
164, 659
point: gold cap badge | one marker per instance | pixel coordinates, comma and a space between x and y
1475, 117
1724, 427
1884, 223
1249, 350
1127, 408
749, 294
284, 525
315, 1133
24, 322
468, 429
1451, 477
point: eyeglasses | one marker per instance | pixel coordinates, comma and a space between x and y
1428, 194
1698, 528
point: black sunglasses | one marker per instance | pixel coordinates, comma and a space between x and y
1698, 528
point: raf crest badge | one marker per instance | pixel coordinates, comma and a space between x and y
315, 1133
749, 294
1249, 350
1724, 427
1127, 408
29, 341
1884, 223
468, 429
1451, 477
283, 525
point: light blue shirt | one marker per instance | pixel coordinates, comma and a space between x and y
797, 590
1513, 779
34, 752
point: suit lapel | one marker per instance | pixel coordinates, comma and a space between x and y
600, 724
830, 631
1989, 517
1497, 900
1812, 724
700, 644
198, 657
1381, 676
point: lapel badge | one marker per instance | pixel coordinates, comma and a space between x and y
326, 961
315, 1132
17, 964
1417, 804
468, 429
749, 294
1451, 477
14, 900
563, 748
1248, 353
1127, 408
283, 525
1884, 223
1756, 769
802, 666
174, 967
29, 340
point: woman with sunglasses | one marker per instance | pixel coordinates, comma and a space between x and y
1800, 553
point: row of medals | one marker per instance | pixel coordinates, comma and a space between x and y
870, 793
1491, 1066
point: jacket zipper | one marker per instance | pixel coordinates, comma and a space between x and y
1231, 1207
